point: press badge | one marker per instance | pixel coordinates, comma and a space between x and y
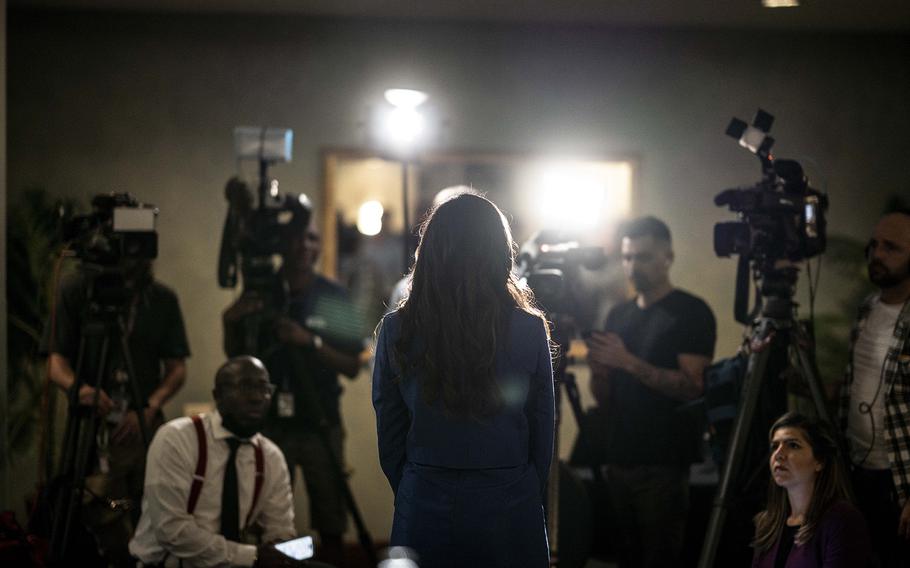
285, 404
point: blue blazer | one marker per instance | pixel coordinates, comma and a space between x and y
520, 433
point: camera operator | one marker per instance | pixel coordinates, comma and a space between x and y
875, 399
155, 334
318, 328
648, 361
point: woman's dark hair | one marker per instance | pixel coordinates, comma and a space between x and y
461, 297
830, 484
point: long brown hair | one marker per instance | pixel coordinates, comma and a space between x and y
461, 297
830, 485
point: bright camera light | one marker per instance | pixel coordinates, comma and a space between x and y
369, 218
578, 195
403, 127
405, 98
780, 3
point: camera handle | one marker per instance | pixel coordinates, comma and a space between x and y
776, 333
82, 424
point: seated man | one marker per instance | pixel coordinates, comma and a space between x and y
212, 482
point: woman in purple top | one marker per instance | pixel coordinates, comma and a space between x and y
809, 522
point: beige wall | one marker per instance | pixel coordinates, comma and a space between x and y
146, 104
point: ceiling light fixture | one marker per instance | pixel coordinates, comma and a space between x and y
780, 3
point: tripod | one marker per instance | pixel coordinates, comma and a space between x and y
102, 330
778, 341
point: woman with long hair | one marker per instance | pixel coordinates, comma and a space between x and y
463, 393
809, 521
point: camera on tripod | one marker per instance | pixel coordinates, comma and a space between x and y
116, 243
549, 262
782, 216
257, 225
782, 219
118, 228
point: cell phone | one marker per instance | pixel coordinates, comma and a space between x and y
298, 548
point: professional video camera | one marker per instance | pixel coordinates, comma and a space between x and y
256, 226
782, 217
549, 262
119, 227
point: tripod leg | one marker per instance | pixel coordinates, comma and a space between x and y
134, 385
809, 372
81, 439
752, 386
568, 381
366, 542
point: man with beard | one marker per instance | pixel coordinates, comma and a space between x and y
649, 360
875, 399
213, 482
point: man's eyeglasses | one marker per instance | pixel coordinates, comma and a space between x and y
264, 389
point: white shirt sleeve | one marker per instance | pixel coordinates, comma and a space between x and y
276, 507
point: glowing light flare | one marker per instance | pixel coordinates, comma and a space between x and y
578, 195
405, 98
369, 218
780, 3
403, 126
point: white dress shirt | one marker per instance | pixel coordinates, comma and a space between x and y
869, 447
167, 533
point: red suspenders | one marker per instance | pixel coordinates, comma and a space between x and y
202, 460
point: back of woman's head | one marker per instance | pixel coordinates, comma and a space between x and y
464, 242
462, 292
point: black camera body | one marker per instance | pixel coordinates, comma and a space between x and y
782, 217
256, 234
118, 228
549, 263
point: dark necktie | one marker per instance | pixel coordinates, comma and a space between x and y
230, 506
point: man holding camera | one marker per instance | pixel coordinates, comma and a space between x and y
875, 399
306, 339
152, 326
213, 481
648, 361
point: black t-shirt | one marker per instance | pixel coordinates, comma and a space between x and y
645, 426
787, 537
153, 325
325, 310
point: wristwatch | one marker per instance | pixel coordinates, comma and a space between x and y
317, 342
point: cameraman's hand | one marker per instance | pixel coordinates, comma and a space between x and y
267, 556
128, 429
608, 349
290, 332
87, 398
246, 304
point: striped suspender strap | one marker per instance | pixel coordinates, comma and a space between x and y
199, 476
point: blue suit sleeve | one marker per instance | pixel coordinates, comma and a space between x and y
541, 408
393, 419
